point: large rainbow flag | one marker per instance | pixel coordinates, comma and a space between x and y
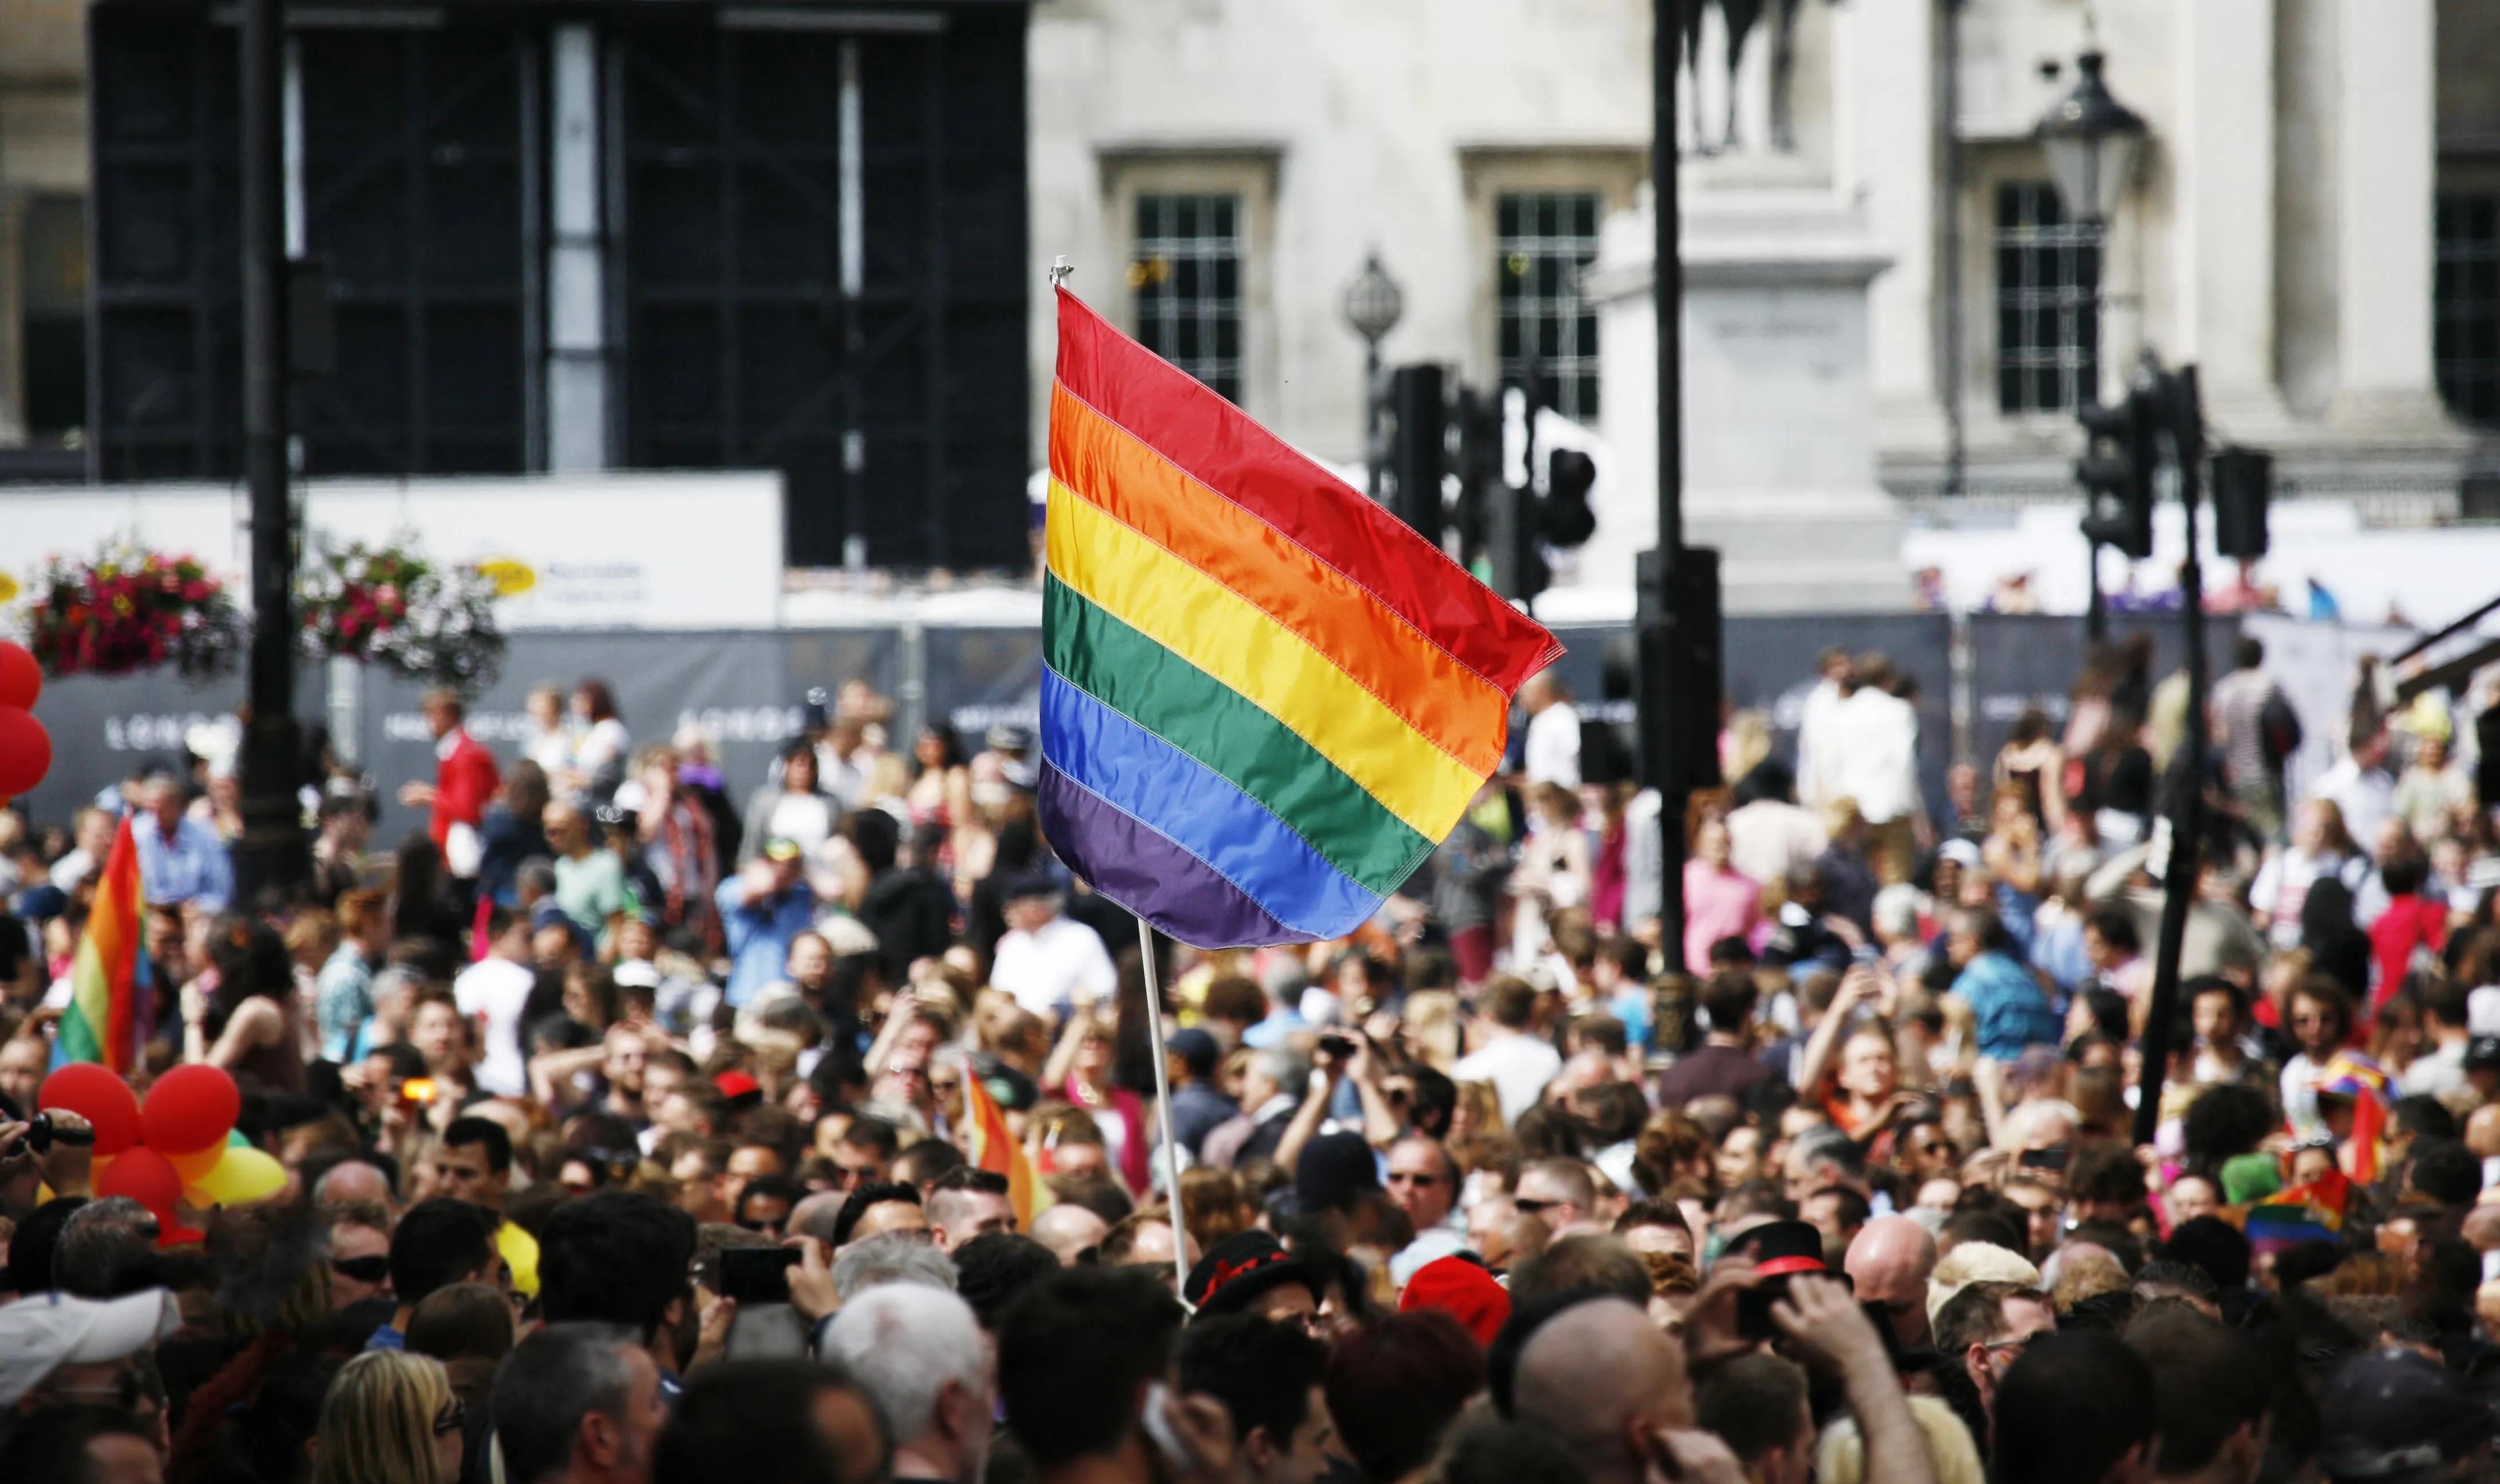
111, 982
1266, 699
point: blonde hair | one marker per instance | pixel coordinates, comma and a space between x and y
378, 1420
1842, 1457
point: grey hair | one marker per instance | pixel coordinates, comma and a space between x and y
1282, 1066
1897, 910
550, 1381
106, 1249
891, 1257
1828, 1145
903, 1343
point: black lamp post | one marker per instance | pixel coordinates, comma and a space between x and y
2092, 141
1373, 304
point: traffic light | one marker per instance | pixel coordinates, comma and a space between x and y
2243, 484
2116, 471
1479, 470
1514, 544
1566, 518
1678, 630
1416, 449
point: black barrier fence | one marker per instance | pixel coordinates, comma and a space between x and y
2022, 661
745, 689
1771, 665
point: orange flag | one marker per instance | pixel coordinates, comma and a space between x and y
993, 1148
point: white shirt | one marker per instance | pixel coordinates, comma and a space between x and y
1518, 1067
1767, 839
1064, 963
1873, 756
2365, 797
2436, 1073
496, 990
1552, 753
1815, 759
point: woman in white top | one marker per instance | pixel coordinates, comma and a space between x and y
794, 809
599, 755
550, 744
2320, 846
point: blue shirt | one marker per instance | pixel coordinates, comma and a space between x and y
759, 934
344, 1003
387, 1339
2012, 1012
1280, 1024
192, 867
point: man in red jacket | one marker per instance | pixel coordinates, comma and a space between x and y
464, 778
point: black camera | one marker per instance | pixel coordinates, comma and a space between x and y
41, 1134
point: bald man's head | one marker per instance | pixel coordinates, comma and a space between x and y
1889, 1264
2483, 1131
355, 1182
1068, 1228
1597, 1376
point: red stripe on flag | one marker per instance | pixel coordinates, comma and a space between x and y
1222, 449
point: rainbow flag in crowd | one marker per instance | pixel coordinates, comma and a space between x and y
994, 1149
2301, 1214
1266, 698
111, 982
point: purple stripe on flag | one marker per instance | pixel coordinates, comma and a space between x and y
1180, 894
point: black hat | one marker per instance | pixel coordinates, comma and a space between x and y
1238, 1270
1197, 1050
1031, 883
1334, 1169
2483, 1053
1778, 1248
2393, 1414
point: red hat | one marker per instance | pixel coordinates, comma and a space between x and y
1466, 1290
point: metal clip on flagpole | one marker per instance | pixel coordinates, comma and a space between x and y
1059, 269
1162, 1098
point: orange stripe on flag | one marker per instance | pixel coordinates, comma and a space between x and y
996, 1150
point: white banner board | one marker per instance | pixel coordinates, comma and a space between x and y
611, 550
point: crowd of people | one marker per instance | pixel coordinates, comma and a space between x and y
646, 1126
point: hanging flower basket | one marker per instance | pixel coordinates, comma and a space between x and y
390, 606
129, 610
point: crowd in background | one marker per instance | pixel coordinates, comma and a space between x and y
638, 1122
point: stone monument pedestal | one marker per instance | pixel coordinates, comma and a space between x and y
1779, 423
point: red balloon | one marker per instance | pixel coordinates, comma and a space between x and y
144, 1176
189, 1109
21, 679
97, 1096
25, 752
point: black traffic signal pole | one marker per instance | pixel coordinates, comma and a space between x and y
1662, 648
2180, 400
271, 852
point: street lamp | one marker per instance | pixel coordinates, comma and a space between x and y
2091, 141
1372, 305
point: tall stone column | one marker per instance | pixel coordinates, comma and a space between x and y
2387, 150
2223, 210
1883, 78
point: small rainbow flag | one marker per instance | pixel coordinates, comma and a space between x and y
2302, 1213
1266, 699
111, 982
993, 1148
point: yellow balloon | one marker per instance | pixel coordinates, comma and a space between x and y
243, 1176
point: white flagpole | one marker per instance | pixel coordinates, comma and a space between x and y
1162, 1101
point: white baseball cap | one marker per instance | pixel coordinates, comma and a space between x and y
41, 1333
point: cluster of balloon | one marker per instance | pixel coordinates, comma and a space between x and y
179, 1148
25, 747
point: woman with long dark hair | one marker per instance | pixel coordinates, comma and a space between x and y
241, 1014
